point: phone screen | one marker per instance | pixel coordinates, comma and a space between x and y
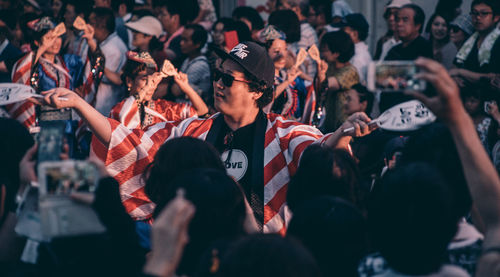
50, 140
394, 76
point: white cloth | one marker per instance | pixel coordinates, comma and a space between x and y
361, 60
108, 94
341, 8
388, 46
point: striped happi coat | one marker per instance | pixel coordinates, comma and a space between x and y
131, 151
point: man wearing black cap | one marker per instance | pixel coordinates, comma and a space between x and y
259, 150
356, 26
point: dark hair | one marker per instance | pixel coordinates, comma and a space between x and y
339, 42
142, 12
15, 141
220, 211
323, 8
364, 95
317, 163
105, 19
131, 69
268, 255
251, 14
302, 4
411, 218
81, 7
115, 4
288, 22
174, 157
28, 33
257, 85
187, 10
244, 34
434, 144
431, 20
199, 35
418, 15
334, 231
493, 4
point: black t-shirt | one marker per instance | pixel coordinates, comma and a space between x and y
242, 152
419, 47
472, 61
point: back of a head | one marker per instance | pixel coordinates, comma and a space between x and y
268, 255
339, 42
250, 14
315, 177
199, 35
288, 22
187, 10
176, 156
335, 233
411, 220
220, 211
433, 144
105, 19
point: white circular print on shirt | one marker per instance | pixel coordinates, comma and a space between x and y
237, 166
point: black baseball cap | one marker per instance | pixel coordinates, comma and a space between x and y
253, 58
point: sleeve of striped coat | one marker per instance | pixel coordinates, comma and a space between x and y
130, 152
23, 111
127, 113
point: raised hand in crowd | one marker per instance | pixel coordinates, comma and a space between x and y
356, 125
169, 236
147, 91
88, 34
322, 68
181, 79
482, 178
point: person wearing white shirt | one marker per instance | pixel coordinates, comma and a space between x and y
356, 26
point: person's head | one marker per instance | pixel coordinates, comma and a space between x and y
136, 70
358, 99
250, 16
144, 30
473, 102
174, 14
122, 7
220, 210
485, 14
334, 231
461, 29
319, 14
193, 39
411, 218
437, 28
390, 12
450, 8
103, 22
268, 255
219, 27
56, 6
393, 151
244, 80
74, 8
300, 7
41, 27
410, 21
336, 47
334, 172
15, 141
102, 4
356, 27
288, 22
275, 42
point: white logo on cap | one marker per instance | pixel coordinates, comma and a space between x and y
239, 51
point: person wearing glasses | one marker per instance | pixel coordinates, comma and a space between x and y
480, 54
261, 151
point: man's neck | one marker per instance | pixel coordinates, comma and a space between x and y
234, 122
406, 42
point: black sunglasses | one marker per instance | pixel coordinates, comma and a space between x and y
455, 28
227, 79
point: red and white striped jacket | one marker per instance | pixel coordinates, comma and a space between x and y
127, 112
131, 151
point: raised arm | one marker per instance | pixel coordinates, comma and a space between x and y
181, 79
64, 98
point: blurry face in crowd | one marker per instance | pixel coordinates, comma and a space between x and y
457, 36
278, 53
187, 45
406, 28
390, 17
311, 18
56, 47
236, 98
69, 15
327, 55
139, 82
352, 33
102, 3
56, 7
472, 105
167, 21
352, 104
141, 40
218, 34
439, 28
483, 18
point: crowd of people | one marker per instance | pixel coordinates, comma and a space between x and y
237, 146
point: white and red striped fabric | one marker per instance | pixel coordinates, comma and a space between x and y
127, 112
131, 151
